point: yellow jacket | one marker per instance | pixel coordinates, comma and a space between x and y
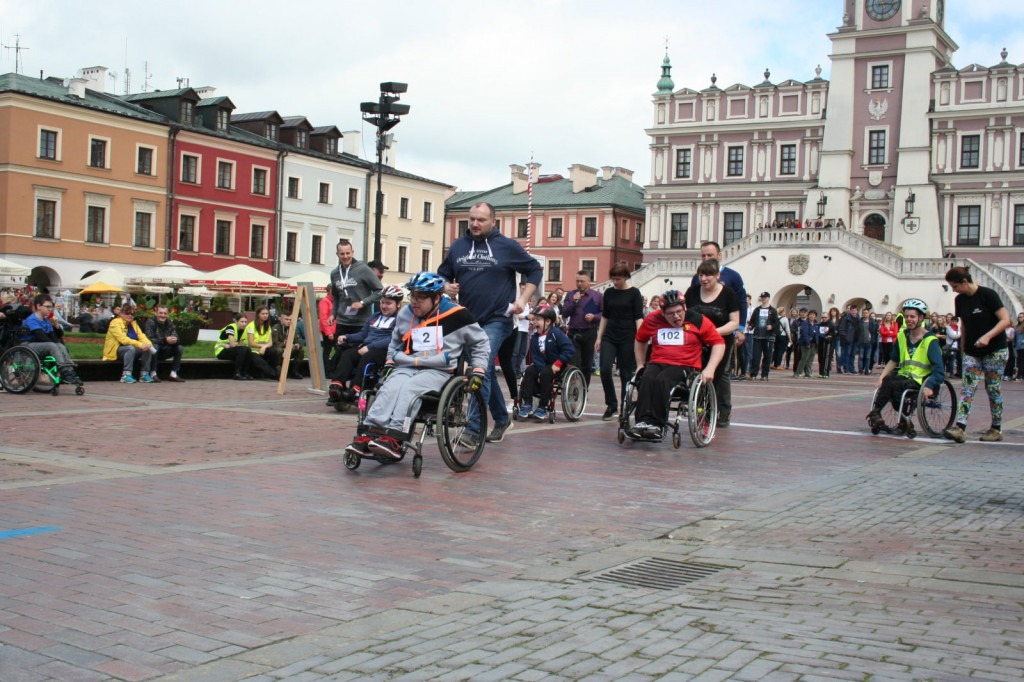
117, 336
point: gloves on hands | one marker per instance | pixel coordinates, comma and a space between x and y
476, 382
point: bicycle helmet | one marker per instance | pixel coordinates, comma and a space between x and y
916, 304
426, 282
672, 297
545, 311
393, 292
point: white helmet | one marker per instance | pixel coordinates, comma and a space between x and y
916, 304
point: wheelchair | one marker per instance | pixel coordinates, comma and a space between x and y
569, 388
692, 400
935, 414
369, 381
443, 415
21, 368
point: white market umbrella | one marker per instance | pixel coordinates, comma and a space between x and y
242, 279
321, 280
12, 274
171, 274
110, 276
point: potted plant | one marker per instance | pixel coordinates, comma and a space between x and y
220, 312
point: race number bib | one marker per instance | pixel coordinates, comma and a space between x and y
426, 338
671, 337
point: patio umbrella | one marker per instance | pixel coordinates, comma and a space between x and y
321, 280
109, 276
101, 288
241, 279
171, 274
12, 274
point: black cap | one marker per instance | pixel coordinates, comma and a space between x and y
765, 294
377, 265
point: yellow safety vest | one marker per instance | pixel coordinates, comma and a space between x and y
917, 367
222, 340
257, 337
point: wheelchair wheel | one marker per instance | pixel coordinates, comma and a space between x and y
19, 369
452, 420
417, 465
936, 414
702, 412
627, 410
79, 390
352, 461
574, 393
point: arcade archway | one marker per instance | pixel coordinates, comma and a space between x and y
874, 227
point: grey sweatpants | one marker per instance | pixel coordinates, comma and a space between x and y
401, 388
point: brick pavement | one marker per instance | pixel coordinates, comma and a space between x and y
238, 547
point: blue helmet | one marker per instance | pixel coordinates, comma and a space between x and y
426, 282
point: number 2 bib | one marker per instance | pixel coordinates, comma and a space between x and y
427, 339
671, 337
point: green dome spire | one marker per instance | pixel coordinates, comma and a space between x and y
665, 84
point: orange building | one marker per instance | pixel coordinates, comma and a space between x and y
84, 179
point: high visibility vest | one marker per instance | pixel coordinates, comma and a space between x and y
257, 336
222, 338
917, 367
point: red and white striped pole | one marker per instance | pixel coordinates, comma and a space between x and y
529, 203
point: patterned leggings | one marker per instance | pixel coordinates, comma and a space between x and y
992, 366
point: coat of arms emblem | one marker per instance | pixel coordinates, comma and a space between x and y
877, 108
798, 264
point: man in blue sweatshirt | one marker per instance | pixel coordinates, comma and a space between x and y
482, 267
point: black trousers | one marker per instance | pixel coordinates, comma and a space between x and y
538, 383
584, 340
892, 389
351, 366
240, 355
267, 364
652, 398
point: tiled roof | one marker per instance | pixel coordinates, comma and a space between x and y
53, 89
255, 116
389, 170
215, 101
295, 121
616, 191
157, 94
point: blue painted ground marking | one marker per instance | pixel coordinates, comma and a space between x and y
18, 532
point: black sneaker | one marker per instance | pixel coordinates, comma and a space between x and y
609, 413
724, 419
497, 434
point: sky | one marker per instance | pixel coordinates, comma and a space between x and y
490, 83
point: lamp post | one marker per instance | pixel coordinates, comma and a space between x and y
822, 202
910, 204
384, 115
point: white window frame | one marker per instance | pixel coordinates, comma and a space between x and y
959, 152
728, 107
428, 207
743, 173
322, 233
424, 248
796, 157
869, 76
231, 219
266, 238
404, 208
964, 82
403, 242
55, 194
106, 152
199, 168
330, 193
781, 99
234, 175
675, 162
138, 147
58, 150
693, 111
582, 266
100, 201
298, 246
561, 272
867, 147
194, 213
348, 194
147, 207
252, 181
298, 187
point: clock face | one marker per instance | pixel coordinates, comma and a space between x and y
880, 10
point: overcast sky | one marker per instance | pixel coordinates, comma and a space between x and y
490, 83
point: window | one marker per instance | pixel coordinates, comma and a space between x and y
680, 230
187, 233
556, 228
48, 144
782, 216
1020, 155
403, 255
876, 147
428, 212
97, 153
144, 162
143, 222
186, 112
332, 147
291, 246
1018, 225
880, 76
271, 131
588, 266
96, 219
425, 260
463, 226
301, 139
224, 174
624, 231
256, 238
190, 169
733, 223
522, 228
259, 181
735, 165
46, 218
353, 197
590, 227
403, 207
787, 159
316, 252
222, 119
554, 271
683, 157
639, 233
970, 151
293, 188
222, 238
968, 226
325, 192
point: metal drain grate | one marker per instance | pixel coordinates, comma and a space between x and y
658, 574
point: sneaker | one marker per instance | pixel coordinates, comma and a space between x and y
387, 446
609, 413
724, 419
540, 413
639, 430
526, 410
764, 378
469, 440
360, 446
654, 431
497, 434
875, 420
993, 435
127, 379
955, 433
147, 379
334, 392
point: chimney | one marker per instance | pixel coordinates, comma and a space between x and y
205, 91
607, 172
519, 179
582, 177
76, 87
624, 173
535, 173
350, 141
96, 77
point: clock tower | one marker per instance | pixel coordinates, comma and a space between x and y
876, 151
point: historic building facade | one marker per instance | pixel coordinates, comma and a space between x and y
904, 161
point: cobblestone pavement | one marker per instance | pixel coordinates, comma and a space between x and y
208, 531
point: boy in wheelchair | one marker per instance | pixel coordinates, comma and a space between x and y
550, 351
916, 361
368, 346
429, 338
39, 334
677, 337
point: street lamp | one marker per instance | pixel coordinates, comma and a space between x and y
910, 204
822, 202
384, 115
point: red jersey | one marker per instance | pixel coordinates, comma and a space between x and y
678, 345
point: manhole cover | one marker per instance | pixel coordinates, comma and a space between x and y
658, 574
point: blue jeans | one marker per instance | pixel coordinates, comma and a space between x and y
864, 353
497, 330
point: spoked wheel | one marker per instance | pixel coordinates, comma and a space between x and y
19, 369
702, 412
574, 393
352, 461
627, 411
936, 414
452, 421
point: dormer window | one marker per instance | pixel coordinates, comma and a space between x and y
223, 116
332, 147
186, 112
301, 139
272, 131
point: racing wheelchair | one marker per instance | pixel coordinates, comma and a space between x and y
569, 388
442, 414
21, 368
692, 400
934, 414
